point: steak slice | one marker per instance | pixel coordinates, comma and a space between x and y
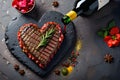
30, 35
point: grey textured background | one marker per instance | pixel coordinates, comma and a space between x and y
91, 64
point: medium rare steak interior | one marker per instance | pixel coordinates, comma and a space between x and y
40, 44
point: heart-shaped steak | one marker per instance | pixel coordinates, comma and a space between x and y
40, 44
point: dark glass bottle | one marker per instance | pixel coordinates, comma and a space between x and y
83, 7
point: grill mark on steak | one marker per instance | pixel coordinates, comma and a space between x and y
42, 60
51, 45
45, 58
47, 53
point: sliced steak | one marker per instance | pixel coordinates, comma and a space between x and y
30, 35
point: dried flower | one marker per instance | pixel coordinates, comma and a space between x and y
108, 58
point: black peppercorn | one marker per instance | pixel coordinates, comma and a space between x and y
22, 72
55, 4
16, 67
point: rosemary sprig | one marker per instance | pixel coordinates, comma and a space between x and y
46, 37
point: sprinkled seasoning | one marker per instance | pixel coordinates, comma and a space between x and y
78, 45
66, 64
70, 69
71, 62
22, 72
16, 67
57, 72
55, 4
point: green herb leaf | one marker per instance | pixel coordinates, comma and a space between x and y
100, 33
111, 24
46, 37
106, 33
51, 31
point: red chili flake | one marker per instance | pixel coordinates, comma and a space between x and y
65, 28
73, 52
66, 64
77, 53
73, 65
114, 30
74, 60
74, 56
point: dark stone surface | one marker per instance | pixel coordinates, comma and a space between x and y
13, 45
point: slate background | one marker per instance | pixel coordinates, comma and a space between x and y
91, 64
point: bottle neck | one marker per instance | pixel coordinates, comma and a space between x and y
70, 16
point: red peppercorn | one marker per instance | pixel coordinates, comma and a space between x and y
74, 60
73, 65
72, 52
77, 53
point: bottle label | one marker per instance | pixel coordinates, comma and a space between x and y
102, 3
72, 15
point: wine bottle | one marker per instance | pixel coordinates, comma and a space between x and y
83, 7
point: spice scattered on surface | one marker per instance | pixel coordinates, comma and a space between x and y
55, 4
64, 71
70, 69
57, 71
108, 58
16, 67
66, 64
22, 72
71, 62
78, 45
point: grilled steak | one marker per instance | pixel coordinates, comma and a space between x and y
30, 36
